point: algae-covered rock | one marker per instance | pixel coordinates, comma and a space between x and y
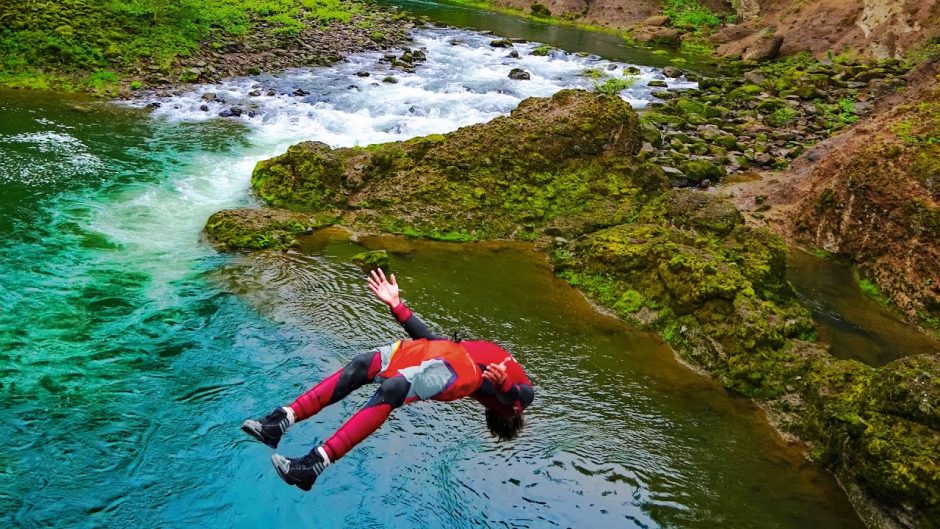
687, 209
687, 266
698, 170
909, 388
715, 288
308, 177
372, 260
567, 155
254, 229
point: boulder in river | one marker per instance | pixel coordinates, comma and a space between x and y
257, 228
501, 43
519, 74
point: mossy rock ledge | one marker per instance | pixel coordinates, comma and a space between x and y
257, 228
566, 158
562, 171
688, 267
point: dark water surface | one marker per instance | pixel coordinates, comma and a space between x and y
130, 351
853, 324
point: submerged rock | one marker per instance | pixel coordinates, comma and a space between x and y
372, 260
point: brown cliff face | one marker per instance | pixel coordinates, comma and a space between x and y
875, 28
876, 198
871, 195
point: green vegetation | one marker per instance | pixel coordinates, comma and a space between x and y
690, 15
542, 50
540, 11
86, 44
782, 117
870, 289
615, 85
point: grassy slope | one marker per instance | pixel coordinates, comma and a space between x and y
74, 44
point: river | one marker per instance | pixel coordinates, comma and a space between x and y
131, 350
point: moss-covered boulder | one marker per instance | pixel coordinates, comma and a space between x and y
568, 155
254, 228
714, 287
372, 260
308, 177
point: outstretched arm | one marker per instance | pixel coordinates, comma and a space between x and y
388, 292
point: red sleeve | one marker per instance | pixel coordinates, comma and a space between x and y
401, 312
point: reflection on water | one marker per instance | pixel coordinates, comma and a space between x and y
855, 325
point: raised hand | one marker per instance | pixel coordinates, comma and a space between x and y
496, 373
385, 290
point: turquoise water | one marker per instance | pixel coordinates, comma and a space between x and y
130, 350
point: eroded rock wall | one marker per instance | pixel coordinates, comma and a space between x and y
875, 197
874, 28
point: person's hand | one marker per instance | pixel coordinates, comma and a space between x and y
496, 373
385, 290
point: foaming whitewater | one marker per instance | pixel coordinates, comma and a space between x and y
464, 81
45, 157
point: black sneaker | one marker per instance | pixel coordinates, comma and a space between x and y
270, 429
302, 471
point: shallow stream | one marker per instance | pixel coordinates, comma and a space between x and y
130, 350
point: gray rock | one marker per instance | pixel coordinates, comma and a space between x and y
672, 71
519, 74
764, 49
209, 96
231, 112
501, 43
754, 77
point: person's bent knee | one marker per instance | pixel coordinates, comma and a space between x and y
393, 392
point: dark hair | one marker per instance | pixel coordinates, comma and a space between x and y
504, 427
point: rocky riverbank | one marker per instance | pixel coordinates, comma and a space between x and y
118, 48
681, 262
760, 117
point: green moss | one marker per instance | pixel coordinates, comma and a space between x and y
254, 229
306, 178
372, 260
870, 289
